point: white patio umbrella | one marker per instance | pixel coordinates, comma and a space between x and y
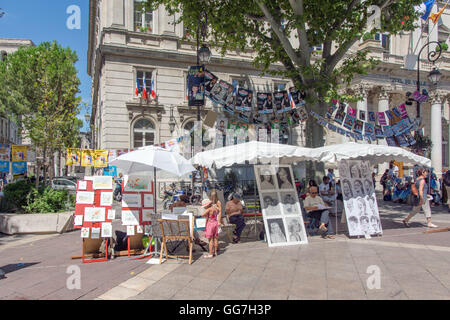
251, 151
148, 158
376, 154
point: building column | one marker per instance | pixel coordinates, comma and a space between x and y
436, 100
362, 90
383, 105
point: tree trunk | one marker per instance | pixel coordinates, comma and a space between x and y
44, 154
315, 139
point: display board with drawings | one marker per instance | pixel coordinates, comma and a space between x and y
282, 214
360, 202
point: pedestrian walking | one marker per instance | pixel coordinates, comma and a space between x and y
419, 190
213, 216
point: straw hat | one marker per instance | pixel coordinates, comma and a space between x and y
206, 202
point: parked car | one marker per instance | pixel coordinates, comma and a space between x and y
64, 184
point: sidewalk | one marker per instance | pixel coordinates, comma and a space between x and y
412, 265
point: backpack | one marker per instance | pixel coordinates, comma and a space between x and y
447, 179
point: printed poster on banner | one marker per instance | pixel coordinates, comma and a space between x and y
220, 92
19, 167
73, 157
87, 157
101, 159
360, 204
4, 166
282, 214
19, 153
196, 90
298, 97
210, 82
5, 152
264, 102
110, 171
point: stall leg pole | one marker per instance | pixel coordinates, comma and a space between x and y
336, 208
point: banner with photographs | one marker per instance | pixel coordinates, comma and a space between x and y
195, 83
393, 125
282, 214
73, 157
5, 152
19, 153
360, 203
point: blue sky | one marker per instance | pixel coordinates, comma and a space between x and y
45, 20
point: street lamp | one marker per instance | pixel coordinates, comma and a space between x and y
87, 117
203, 53
434, 75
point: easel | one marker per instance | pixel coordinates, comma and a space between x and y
170, 234
91, 248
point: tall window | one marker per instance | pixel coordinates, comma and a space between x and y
143, 133
385, 41
239, 83
279, 86
145, 80
143, 21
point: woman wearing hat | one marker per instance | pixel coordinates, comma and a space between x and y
213, 216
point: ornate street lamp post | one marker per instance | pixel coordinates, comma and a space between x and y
434, 76
203, 53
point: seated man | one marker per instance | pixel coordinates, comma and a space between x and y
234, 211
314, 208
327, 194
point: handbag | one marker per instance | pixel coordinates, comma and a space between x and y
416, 200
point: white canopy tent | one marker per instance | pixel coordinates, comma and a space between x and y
376, 154
252, 151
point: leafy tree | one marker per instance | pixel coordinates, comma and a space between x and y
38, 86
286, 31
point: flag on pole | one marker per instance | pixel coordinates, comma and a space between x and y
435, 16
152, 89
138, 87
428, 7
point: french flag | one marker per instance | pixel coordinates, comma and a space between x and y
144, 94
138, 87
152, 90
291, 100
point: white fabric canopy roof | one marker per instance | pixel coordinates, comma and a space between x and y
251, 151
376, 154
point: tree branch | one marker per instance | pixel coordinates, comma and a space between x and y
286, 44
299, 10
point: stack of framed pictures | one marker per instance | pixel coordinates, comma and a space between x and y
361, 208
282, 214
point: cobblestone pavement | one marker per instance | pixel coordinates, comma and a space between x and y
411, 264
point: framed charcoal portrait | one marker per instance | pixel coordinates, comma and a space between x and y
266, 179
355, 171
358, 189
289, 203
277, 233
368, 186
347, 189
284, 178
295, 228
344, 171
271, 204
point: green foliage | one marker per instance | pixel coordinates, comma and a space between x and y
15, 195
39, 87
23, 197
444, 47
48, 200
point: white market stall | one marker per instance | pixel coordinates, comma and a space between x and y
363, 155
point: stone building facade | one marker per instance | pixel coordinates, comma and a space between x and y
125, 44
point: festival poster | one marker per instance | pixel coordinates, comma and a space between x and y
220, 92
19, 153
303, 114
19, 167
402, 141
110, 171
379, 132
362, 115
195, 80
372, 117
339, 117
389, 114
332, 127
261, 99
388, 131
278, 98
5, 152
298, 97
221, 125
381, 118
358, 126
241, 100
73, 157
87, 157
269, 105
4, 166
349, 121
396, 112
403, 112
391, 141
351, 111
210, 82
330, 111
230, 101
369, 128
101, 159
